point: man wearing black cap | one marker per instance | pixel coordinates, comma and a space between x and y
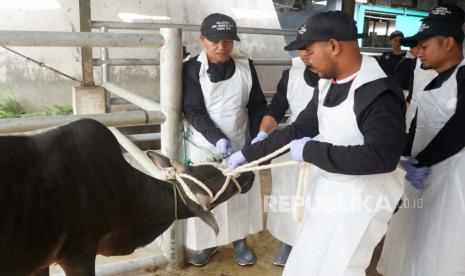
413, 78
223, 104
427, 239
294, 92
352, 132
389, 60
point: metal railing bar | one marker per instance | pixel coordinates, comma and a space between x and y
155, 62
130, 118
127, 62
184, 27
144, 137
131, 97
78, 39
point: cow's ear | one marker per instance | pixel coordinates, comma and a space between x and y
206, 216
179, 166
200, 211
159, 159
210, 220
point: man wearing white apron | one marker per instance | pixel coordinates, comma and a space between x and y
413, 78
294, 92
353, 133
223, 104
426, 237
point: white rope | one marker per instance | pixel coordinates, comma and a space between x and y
263, 159
224, 170
302, 185
299, 206
269, 166
187, 190
171, 174
196, 181
302, 188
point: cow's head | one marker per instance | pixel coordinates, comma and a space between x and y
214, 180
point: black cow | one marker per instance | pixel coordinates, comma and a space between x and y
68, 194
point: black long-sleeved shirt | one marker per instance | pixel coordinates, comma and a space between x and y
279, 103
451, 138
194, 109
389, 61
379, 108
405, 74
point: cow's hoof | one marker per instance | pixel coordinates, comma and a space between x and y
281, 256
243, 254
202, 257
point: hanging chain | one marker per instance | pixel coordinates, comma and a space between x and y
41, 64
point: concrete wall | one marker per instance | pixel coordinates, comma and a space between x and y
35, 87
26, 82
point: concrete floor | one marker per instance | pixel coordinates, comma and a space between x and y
264, 245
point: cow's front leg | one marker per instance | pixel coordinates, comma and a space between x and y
41, 272
79, 266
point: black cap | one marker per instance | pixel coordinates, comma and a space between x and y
396, 33
447, 12
432, 27
408, 42
324, 26
218, 26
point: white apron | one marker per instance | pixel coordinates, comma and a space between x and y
346, 215
421, 78
226, 102
430, 240
280, 222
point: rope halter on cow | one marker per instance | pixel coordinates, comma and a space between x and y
172, 174
302, 188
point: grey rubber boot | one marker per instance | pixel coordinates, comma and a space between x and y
202, 257
283, 253
243, 254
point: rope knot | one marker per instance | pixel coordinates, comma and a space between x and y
170, 173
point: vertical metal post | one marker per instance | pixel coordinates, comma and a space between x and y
105, 71
170, 102
386, 37
86, 52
